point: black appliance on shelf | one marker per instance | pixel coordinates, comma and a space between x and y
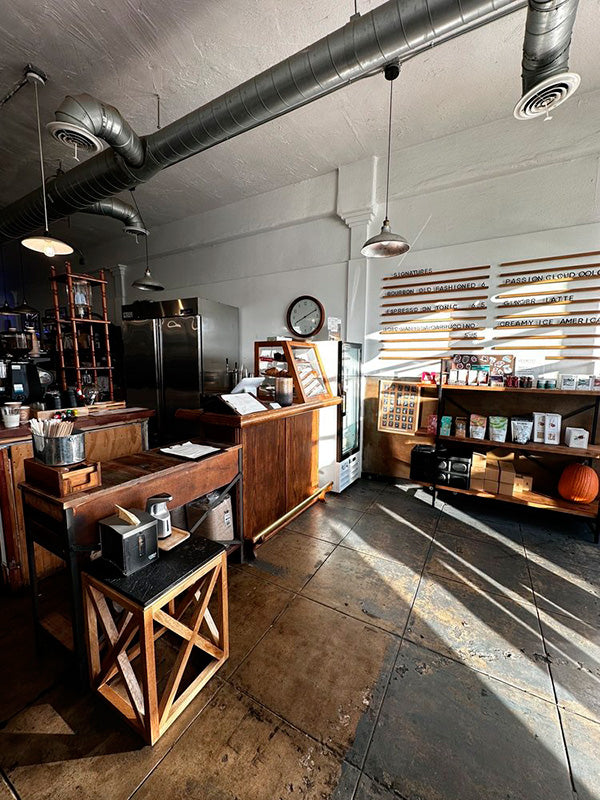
21, 382
440, 467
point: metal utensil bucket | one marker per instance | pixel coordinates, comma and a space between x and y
60, 451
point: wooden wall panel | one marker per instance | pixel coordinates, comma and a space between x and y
302, 457
106, 444
386, 453
264, 448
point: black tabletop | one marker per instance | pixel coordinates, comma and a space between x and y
149, 583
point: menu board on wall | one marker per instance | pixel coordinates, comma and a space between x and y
542, 309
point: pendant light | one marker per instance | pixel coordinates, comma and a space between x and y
46, 244
147, 283
24, 307
5, 309
387, 243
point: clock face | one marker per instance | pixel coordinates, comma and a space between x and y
305, 316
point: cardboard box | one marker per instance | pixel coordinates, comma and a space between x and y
523, 483
507, 478
478, 463
477, 482
552, 429
577, 437
539, 426
490, 486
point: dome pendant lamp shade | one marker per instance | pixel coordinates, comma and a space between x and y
147, 283
46, 244
387, 243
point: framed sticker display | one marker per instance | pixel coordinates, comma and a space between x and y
399, 407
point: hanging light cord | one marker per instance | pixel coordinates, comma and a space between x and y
39, 130
389, 152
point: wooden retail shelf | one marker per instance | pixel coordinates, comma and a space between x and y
532, 499
563, 392
530, 447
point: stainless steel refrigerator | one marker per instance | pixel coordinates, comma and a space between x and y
175, 351
340, 439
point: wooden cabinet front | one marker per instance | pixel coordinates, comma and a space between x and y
301, 458
264, 460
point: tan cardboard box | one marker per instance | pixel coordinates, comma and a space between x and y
490, 486
523, 483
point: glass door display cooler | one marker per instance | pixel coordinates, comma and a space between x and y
340, 435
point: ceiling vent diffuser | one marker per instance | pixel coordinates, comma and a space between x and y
75, 136
542, 99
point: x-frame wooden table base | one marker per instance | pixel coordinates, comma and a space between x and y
131, 632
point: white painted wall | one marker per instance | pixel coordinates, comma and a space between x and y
505, 190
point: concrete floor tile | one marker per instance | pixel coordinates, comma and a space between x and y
574, 651
323, 672
461, 523
238, 749
383, 536
357, 496
326, 521
72, 745
499, 568
459, 735
366, 587
406, 510
566, 590
368, 789
289, 559
583, 744
495, 634
253, 605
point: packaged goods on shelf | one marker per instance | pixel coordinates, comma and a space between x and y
577, 437
552, 429
446, 426
539, 425
477, 426
521, 428
478, 463
583, 383
523, 483
460, 427
432, 424
498, 428
568, 381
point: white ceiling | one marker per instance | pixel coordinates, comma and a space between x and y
126, 51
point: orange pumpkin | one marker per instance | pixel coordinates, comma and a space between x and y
579, 484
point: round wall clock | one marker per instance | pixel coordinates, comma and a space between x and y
305, 316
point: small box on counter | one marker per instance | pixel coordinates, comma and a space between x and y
577, 437
552, 429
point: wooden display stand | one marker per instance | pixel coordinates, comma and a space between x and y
111, 656
509, 401
300, 361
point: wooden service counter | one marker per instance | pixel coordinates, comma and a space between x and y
109, 435
280, 455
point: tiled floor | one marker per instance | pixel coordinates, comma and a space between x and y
380, 648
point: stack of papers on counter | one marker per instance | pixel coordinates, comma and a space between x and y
189, 450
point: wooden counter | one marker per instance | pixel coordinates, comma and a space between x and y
108, 436
280, 460
68, 526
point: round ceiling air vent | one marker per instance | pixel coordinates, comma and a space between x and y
546, 96
75, 137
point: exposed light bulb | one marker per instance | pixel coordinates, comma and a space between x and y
49, 251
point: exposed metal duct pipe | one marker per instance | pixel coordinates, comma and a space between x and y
547, 81
398, 29
113, 207
85, 123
